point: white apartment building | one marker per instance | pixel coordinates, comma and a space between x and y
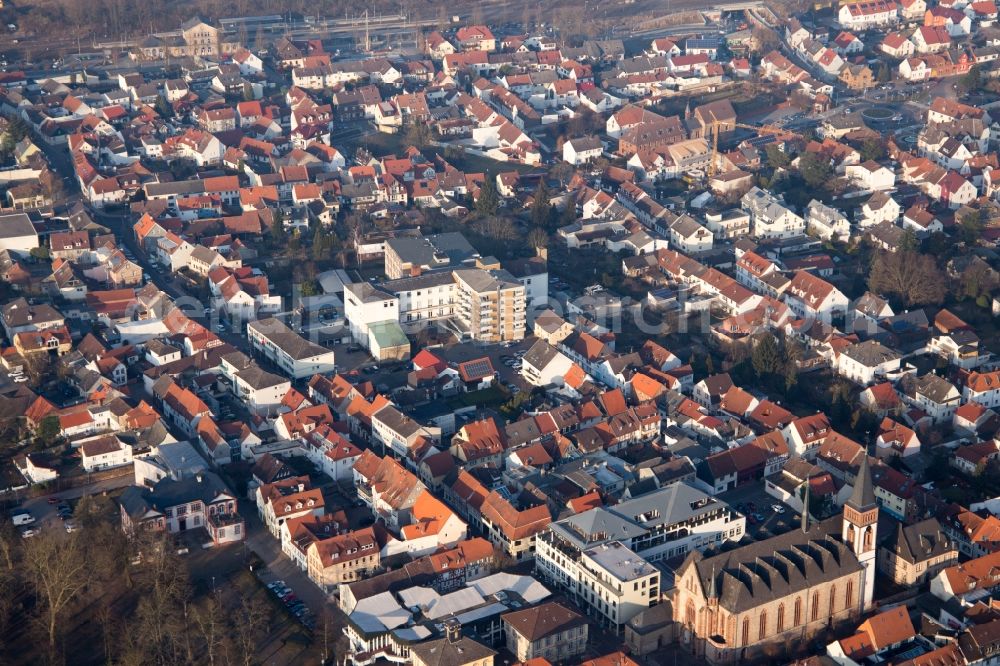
491, 305
365, 306
261, 391
984, 388
827, 222
425, 298
297, 357
400, 434
480, 304
867, 361
666, 523
770, 217
615, 584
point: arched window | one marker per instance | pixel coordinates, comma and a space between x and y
797, 618
868, 539
850, 535
814, 615
690, 615
781, 618
849, 599
763, 625
746, 631
833, 599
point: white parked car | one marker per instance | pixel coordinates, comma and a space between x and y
777, 508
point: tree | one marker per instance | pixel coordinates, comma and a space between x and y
489, 199
212, 632
766, 39
538, 238
776, 158
320, 244
766, 355
9, 540
251, 620
159, 622
164, 108
884, 73
309, 288
562, 172
815, 170
497, 228
872, 149
57, 567
910, 277
972, 79
568, 214
279, 235
977, 280
972, 226
48, 431
541, 209
418, 134
909, 242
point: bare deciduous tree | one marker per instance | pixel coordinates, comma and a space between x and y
56, 566
911, 277
251, 623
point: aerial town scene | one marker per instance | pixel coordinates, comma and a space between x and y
626, 333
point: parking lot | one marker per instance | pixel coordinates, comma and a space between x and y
766, 516
54, 513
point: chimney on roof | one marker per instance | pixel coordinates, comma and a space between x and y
453, 631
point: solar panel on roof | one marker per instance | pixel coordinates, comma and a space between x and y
479, 368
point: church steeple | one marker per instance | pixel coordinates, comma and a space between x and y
859, 528
863, 497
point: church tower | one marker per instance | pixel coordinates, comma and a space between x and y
859, 527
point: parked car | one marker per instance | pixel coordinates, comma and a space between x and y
22, 517
777, 508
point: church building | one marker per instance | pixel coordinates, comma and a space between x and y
767, 597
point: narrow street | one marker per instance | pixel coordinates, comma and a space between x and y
279, 567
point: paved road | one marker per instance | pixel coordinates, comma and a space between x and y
45, 512
279, 567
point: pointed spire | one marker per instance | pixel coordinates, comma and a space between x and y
863, 496
713, 592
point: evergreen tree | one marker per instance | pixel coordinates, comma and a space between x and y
319, 244
766, 355
163, 107
278, 233
541, 209
489, 199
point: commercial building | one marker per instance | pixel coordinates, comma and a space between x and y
297, 357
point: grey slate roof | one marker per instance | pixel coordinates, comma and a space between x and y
777, 567
919, 542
